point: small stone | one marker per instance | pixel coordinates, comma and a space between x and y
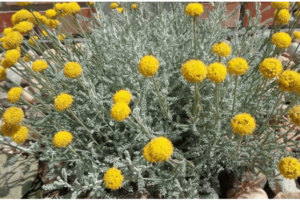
288, 195
27, 94
292, 50
24, 83
285, 61
251, 193
12, 77
285, 185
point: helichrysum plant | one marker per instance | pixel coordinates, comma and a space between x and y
157, 98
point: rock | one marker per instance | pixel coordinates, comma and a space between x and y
247, 193
27, 94
291, 50
12, 77
285, 61
24, 83
288, 195
285, 54
296, 41
285, 185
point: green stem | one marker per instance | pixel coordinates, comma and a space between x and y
238, 146
234, 94
261, 95
195, 40
160, 101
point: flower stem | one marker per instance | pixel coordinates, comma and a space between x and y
195, 40
195, 102
160, 101
262, 92
217, 103
234, 94
238, 146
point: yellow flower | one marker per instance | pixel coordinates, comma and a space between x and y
122, 96
53, 23
62, 139
120, 10
2, 73
288, 80
237, 66
20, 134
216, 72
294, 115
91, 3
270, 68
120, 111
42, 19
72, 70
148, 65
24, 3
45, 33
280, 5
51, 13
113, 178
7, 31
32, 40
11, 58
8, 130
283, 16
39, 65
26, 58
61, 37
243, 124
134, 6
23, 27
289, 167
14, 94
12, 40
22, 15
71, 8
13, 116
63, 102
194, 9
158, 150
194, 71
281, 40
221, 49
113, 5
297, 34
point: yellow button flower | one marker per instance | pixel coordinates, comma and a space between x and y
283, 16
51, 13
289, 167
12, 40
72, 70
23, 27
243, 124
33, 40
14, 94
63, 102
120, 111
294, 115
280, 5
53, 23
281, 40
24, 3
11, 58
148, 65
62, 139
20, 134
13, 116
288, 80
134, 6
113, 178
122, 96
8, 130
2, 73
237, 66
114, 5
216, 72
270, 68
91, 3
158, 150
222, 49
61, 37
194, 9
120, 10
194, 71
39, 65
7, 31
297, 34
22, 15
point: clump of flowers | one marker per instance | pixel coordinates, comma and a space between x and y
14, 94
194, 71
289, 167
22, 15
194, 9
270, 68
148, 65
281, 40
158, 150
243, 124
62, 139
63, 102
222, 49
113, 178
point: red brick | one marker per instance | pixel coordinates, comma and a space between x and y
265, 15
